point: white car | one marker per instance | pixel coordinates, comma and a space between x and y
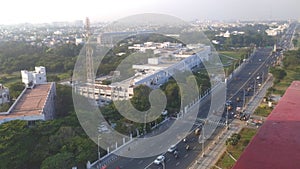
172, 148
160, 159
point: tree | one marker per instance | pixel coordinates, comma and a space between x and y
233, 140
64, 100
59, 161
140, 100
15, 89
278, 73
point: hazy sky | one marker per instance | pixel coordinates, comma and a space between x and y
37, 11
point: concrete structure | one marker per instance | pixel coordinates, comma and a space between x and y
36, 103
31, 78
4, 94
277, 143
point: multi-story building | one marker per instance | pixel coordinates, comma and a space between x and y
156, 72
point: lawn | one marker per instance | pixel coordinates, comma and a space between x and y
263, 110
226, 162
237, 54
8, 79
291, 76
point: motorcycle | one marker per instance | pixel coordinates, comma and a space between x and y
187, 147
176, 154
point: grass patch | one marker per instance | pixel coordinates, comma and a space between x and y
263, 110
292, 75
7, 79
237, 54
226, 162
225, 60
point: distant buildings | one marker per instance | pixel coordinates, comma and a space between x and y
272, 31
172, 57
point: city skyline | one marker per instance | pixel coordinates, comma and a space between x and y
32, 11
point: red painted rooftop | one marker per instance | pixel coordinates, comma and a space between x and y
277, 143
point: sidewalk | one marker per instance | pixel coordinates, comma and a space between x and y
216, 148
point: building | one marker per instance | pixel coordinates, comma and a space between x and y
227, 34
36, 102
277, 143
157, 71
31, 78
4, 94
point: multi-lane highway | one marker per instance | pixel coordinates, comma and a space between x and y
243, 84
186, 157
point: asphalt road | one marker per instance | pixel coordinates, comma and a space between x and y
239, 81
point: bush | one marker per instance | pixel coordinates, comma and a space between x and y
233, 140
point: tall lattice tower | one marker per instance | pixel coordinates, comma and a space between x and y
89, 54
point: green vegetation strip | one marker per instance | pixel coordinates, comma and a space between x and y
286, 72
263, 110
226, 162
237, 54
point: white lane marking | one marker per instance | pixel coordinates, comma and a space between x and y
148, 165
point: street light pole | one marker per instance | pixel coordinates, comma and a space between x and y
203, 140
226, 116
145, 124
163, 164
99, 155
254, 85
244, 97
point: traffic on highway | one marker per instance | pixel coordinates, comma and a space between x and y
241, 87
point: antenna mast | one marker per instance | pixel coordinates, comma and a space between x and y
89, 54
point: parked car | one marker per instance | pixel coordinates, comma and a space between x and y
172, 148
160, 159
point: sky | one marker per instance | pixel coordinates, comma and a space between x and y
42, 11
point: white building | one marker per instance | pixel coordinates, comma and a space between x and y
154, 75
31, 78
4, 94
227, 34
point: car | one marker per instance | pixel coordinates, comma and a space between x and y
172, 148
160, 159
228, 103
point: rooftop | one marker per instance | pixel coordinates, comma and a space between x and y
277, 143
31, 102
